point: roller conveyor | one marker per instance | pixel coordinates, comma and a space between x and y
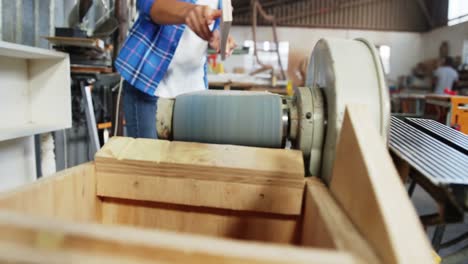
439, 162
444, 133
436, 155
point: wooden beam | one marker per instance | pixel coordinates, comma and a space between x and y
402, 167
25, 240
219, 176
325, 225
68, 195
366, 185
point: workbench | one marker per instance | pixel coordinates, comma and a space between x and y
249, 83
449, 109
408, 104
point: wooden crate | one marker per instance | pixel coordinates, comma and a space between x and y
82, 216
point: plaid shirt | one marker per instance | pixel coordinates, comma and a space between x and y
148, 50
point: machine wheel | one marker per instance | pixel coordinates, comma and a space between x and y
348, 72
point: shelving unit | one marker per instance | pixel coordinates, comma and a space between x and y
35, 98
34, 91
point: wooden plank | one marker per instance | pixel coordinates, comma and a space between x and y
253, 226
68, 195
94, 43
20, 254
325, 225
367, 186
220, 176
228, 195
48, 241
274, 163
90, 69
225, 26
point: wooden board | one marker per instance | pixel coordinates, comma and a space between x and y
90, 69
325, 225
252, 226
220, 176
39, 240
368, 188
68, 195
225, 26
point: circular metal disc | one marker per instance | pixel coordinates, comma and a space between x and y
349, 72
310, 130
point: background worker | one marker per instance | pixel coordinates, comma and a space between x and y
445, 76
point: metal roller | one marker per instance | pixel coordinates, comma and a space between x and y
235, 117
340, 72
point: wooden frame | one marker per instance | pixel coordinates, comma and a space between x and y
363, 217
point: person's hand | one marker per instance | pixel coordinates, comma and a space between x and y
199, 17
215, 43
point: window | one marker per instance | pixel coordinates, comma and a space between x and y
457, 12
385, 52
465, 52
267, 55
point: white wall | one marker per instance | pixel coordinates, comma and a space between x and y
454, 35
406, 48
17, 160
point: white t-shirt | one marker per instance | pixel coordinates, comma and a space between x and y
186, 70
446, 76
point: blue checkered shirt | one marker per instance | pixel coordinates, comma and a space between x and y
148, 50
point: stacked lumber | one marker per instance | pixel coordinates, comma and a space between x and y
205, 175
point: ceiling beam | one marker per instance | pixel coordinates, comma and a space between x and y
273, 3
425, 10
327, 10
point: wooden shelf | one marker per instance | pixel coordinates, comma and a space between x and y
25, 130
35, 91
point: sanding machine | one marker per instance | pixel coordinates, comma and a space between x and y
340, 72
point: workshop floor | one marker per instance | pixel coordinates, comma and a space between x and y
426, 205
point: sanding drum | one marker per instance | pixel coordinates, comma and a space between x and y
230, 117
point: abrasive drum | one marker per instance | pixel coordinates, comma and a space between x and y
229, 117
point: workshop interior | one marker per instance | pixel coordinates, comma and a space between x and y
334, 131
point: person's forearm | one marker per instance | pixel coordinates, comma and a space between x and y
170, 11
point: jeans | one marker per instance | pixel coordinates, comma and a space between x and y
140, 112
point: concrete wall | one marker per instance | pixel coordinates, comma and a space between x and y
454, 35
406, 48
